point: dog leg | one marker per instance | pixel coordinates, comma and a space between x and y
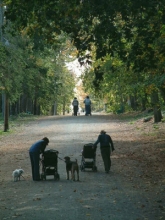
73, 173
77, 175
73, 176
67, 175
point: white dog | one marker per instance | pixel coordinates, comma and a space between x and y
17, 174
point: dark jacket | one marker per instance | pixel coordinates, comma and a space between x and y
87, 101
105, 141
38, 147
75, 102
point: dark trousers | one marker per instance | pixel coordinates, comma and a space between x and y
34, 158
105, 153
75, 109
87, 110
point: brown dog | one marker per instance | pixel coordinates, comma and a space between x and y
73, 167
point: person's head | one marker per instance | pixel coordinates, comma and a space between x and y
87, 97
102, 132
46, 140
75, 98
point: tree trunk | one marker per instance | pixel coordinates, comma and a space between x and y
133, 101
162, 91
63, 108
35, 106
13, 109
144, 102
156, 107
6, 113
55, 108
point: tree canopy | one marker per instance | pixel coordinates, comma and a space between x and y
123, 42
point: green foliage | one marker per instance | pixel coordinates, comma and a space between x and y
36, 72
125, 40
11, 68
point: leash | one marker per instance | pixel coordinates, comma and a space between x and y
61, 159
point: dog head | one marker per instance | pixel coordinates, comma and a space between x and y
67, 159
18, 172
21, 171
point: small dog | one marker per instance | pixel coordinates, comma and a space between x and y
17, 174
73, 167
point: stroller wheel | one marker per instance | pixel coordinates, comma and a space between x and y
82, 168
56, 176
94, 169
43, 176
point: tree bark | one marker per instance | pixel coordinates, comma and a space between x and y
133, 101
144, 101
35, 106
162, 91
156, 107
6, 113
63, 106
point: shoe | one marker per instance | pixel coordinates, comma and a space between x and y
37, 180
107, 171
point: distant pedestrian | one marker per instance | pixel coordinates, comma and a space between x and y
35, 150
106, 147
75, 104
87, 103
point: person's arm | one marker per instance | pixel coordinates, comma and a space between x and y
98, 141
42, 148
111, 143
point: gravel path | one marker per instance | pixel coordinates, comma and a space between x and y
126, 193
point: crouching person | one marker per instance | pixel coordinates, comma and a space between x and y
34, 152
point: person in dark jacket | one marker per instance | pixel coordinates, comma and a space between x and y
106, 147
34, 152
87, 103
75, 104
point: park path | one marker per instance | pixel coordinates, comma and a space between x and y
123, 194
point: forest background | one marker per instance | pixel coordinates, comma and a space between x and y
119, 44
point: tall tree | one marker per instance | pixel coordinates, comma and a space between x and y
106, 26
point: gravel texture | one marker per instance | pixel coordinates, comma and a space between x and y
133, 190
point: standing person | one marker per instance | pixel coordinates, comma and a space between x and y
34, 152
87, 103
106, 147
75, 104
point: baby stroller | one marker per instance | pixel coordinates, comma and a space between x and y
49, 164
88, 157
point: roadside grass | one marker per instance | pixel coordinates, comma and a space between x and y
132, 117
16, 122
143, 122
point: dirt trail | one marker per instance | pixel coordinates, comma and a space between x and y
133, 190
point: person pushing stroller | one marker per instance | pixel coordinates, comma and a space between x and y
106, 147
